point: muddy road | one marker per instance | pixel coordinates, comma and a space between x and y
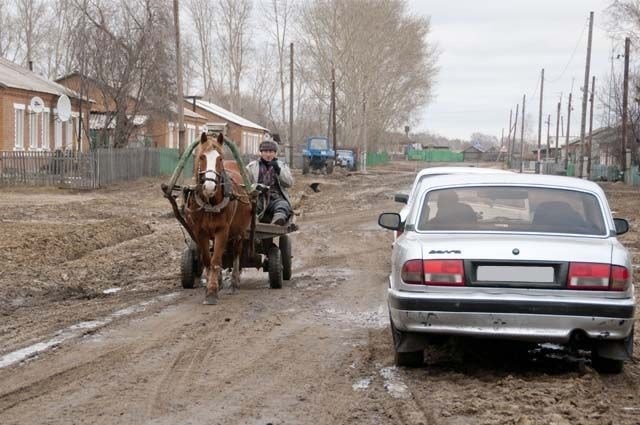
94, 327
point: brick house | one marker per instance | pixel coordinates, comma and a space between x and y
22, 129
149, 129
246, 134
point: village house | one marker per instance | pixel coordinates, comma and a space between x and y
246, 134
29, 118
150, 129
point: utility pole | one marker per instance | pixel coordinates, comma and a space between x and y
555, 154
364, 132
566, 143
509, 147
548, 140
180, 95
625, 102
515, 127
291, 138
539, 167
333, 107
593, 94
524, 98
585, 95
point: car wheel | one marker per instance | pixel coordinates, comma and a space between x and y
604, 365
406, 359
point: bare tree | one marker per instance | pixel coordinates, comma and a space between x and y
8, 32
130, 58
211, 70
277, 15
32, 17
383, 58
63, 47
233, 31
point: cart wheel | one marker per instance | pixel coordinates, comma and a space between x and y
285, 252
190, 267
275, 267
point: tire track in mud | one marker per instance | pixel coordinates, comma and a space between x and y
41, 386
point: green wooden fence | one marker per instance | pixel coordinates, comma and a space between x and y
431, 155
377, 158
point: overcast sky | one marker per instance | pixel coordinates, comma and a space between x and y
492, 52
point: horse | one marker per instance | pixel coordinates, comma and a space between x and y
218, 210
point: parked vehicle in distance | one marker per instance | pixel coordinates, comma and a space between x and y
346, 158
426, 173
317, 155
531, 257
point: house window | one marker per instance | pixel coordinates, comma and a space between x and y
170, 144
58, 135
45, 130
19, 126
33, 130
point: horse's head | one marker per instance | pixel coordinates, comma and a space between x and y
209, 164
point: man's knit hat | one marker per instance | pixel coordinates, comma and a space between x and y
268, 145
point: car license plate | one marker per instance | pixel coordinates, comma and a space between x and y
515, 274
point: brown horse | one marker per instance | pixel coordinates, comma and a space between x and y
219, 210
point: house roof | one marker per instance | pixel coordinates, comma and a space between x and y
14, 76
228, 115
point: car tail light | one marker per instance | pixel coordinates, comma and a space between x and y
443, 272
619, 278
597, 277
433, 272
412, 272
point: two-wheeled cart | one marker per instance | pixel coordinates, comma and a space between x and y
267, 247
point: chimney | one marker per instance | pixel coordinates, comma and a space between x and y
30, 65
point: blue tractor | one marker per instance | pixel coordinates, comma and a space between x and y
317, 155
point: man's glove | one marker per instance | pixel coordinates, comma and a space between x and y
275, 166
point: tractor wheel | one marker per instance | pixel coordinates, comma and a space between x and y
285, 251
275, 267
305, 165
330, 166
190, 267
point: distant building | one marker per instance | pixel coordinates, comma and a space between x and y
24, 129
246, 134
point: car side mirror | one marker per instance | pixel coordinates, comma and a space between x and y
622, 226
389, 221
403, 198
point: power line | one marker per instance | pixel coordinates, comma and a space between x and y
575, 49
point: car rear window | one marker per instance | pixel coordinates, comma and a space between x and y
512, 208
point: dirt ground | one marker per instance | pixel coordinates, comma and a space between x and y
95, 328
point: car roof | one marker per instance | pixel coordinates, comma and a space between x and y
459, 170
513, 179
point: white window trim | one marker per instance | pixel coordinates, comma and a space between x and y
18, 107
33, 144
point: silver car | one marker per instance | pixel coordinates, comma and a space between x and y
522, 257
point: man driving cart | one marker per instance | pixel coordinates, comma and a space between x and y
274, 177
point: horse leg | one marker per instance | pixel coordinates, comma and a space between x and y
205, 256
215, 269
235, 274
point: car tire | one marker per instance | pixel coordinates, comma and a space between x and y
405, 359
604, 365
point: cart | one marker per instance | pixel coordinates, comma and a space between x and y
260, 249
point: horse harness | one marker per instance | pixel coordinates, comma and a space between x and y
229, 195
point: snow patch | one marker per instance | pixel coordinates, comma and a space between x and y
393, 384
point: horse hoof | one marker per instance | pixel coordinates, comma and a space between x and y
210, 300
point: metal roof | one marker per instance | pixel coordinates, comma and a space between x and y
228, 115
14, 76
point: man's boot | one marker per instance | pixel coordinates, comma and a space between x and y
279, 219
